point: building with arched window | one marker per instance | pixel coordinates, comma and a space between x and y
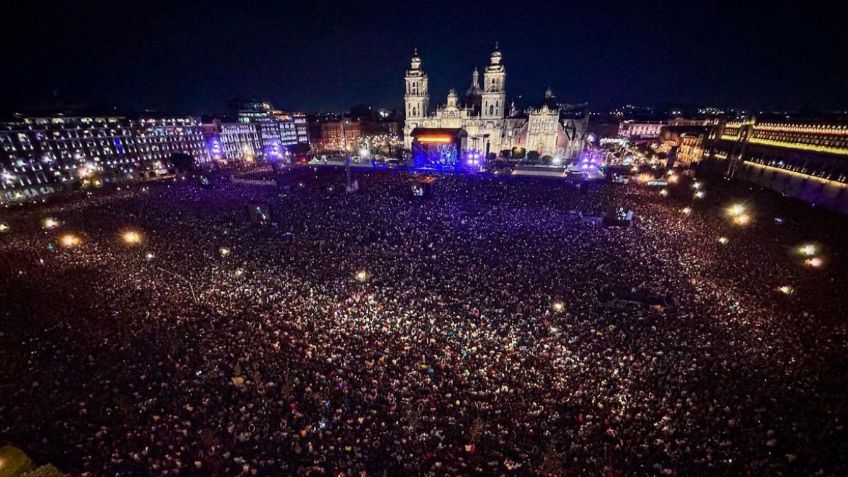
491, 126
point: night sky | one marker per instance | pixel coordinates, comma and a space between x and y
321, 55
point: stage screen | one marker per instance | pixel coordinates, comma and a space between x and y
427, 155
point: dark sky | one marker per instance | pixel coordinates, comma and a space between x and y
328, 55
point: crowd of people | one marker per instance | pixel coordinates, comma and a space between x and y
490, 329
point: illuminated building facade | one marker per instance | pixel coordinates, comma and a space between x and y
301, 127
640, 131
332, 135
230, 142
808, 161
279, 129
485, 116
683, 141
40, 155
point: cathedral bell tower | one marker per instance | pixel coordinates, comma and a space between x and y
416, 97
494, 93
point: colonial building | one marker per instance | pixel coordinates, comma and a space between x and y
484, 115
806, 160
43, 154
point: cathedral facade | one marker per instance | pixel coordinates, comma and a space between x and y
483, 114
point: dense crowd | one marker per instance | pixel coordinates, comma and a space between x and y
491, 329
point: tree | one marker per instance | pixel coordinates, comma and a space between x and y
505, 154
547, 160
533, 157
518, 152
182, 162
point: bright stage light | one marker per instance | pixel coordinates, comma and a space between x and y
435, 139
673, 180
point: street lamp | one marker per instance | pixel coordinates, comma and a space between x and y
736, 210
807, 250
814, 262
69, 240
131, 237
742, 219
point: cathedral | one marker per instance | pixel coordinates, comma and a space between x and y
490, 125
